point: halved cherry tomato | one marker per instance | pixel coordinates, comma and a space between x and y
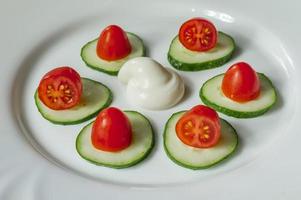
111, 130
198, 34
60, 88
199, 127
113, 44
241, 83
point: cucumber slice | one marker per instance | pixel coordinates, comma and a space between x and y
95, 97
89, 56
184, 59
197, 158
142, 143
212, 95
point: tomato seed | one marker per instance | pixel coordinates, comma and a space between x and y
61, 87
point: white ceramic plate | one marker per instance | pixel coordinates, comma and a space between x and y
39, 160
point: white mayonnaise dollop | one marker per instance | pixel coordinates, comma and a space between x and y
150, 85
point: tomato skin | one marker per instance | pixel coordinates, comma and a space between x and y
198, 34
113, 44
205, 110
60, 88
199, 127
241, 83
111, 130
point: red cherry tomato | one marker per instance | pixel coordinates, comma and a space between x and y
60, 88
198, 34
199, 127
241, 83
111, 130
113, 44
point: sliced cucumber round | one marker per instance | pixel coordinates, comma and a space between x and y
197, 158
212, 95
95, 97
184, 59
142, 143
89, 56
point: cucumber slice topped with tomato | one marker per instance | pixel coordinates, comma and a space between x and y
241, 92
111, 50
184, 59
198, 46
200, 149
116, 144
95, 96
212, 95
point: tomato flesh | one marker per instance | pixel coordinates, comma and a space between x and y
113, 44
199, 127
60, 88
241, 83
198, 34
111, 130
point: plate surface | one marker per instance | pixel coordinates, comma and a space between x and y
39, 160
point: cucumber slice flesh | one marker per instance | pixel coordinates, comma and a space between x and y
198, 158
95, 97
184, 59
89, 56
142, 143
212, 95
